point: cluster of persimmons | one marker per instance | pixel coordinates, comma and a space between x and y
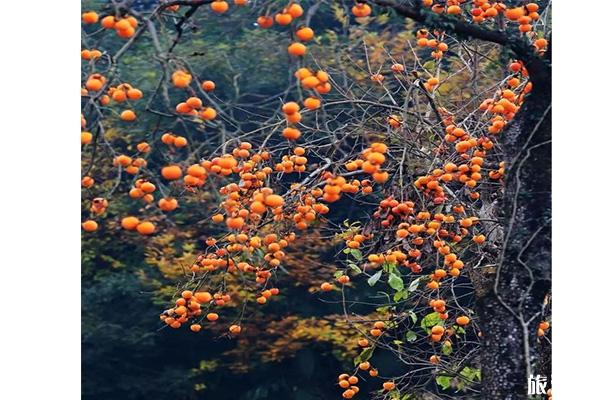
261, 218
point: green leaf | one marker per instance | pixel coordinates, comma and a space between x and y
443, 381
364, 355
355, 268
411, 336
389, 268
413, 316
337, 274
356, 254
446, 350
401, 295
414, 285
430, 320
472, 374
396, 282
375, 278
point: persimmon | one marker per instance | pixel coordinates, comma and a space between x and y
148, 187
514, 14
295, 10
89, 225
310, 82
209, 113
235, 223
258, 207
454, 10
171, 172
312, 103
89, 17
290, 107
180, 142
122, 24
397, 68
130, 223
143, 147
305, 34
380, 177
297, 49
134, 94
108, 22
437, 330
326, 286
87, 181
86, 137
235, 329
181, 79
128, 115
291, 133
264, 21
94, 83
145, 228
167, 204
219, 6
208, 86
283, 19
194, 102
479, 239
387, 386
274, 200
462, 320
195, 327
348, 394
212, 316
126, 33
361, 10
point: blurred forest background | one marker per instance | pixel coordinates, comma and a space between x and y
290, 349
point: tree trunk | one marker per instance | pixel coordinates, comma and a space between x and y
511, 298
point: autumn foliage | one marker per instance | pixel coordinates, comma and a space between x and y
389, 154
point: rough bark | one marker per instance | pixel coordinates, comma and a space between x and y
510, 296
511, 302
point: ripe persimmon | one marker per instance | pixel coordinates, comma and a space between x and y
219, 6
305, 34
128, 115
89, 225
283, 19
312, 103
361, 10
209, 113
89, 17
171, 172
264, 21
145, 228
297, 49
208, 86
86, 137
167, 204
295, 10
212, 316
130, 223
291, 133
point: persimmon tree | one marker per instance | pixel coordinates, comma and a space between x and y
419, 150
